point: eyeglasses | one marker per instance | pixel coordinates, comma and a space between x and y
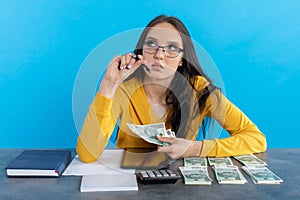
171, 50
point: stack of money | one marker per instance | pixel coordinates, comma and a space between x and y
250, 160
195, 162
225, 161
229, 174
195, 175
262, 175
150, 131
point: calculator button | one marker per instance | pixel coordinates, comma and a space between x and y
151, 174
157, 173
144, 174
171, 173
164, 173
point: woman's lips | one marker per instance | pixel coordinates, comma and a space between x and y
157, 67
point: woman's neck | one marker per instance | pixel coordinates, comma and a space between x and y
156, 90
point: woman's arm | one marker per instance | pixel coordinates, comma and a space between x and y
97, 129
245, 137
101, 119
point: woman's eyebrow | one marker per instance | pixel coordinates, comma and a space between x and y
173, 42
151, 38
168, 42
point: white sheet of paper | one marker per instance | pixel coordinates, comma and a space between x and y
108, 163
120, 182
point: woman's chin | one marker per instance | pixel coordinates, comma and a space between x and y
158, 76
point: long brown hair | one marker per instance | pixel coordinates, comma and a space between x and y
179, 93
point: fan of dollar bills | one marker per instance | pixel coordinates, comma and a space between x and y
150, 131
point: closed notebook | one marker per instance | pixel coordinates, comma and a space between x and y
39, 163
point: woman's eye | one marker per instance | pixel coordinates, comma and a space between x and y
150, 44
172, 48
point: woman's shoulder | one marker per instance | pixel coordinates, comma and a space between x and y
131, 82
199, 82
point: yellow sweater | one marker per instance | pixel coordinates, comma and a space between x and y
130, 105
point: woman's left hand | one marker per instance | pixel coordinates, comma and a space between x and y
179, 147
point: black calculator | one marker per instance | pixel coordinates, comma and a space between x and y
157, 176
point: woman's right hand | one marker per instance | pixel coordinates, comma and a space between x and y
117, 71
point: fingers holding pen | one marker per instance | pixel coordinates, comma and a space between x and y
138, 61
123, 64
126, 61
130, 60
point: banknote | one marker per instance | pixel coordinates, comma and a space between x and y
195, 162
262, 175
195, 175
150, 131
225, 161
250, 160
170, 133
229, 175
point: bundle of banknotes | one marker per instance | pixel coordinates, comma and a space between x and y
257, 170
150, 131
195, 162
250, 160
195, 175
226, 172
226, 161
262, 175
229, 174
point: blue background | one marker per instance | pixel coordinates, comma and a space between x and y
255, 45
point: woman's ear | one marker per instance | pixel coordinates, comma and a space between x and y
180, 63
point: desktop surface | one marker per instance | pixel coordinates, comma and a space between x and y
284, 162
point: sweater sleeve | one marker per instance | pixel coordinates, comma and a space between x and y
245, 137
97, 129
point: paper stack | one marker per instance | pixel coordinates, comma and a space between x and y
109, 182
105, 174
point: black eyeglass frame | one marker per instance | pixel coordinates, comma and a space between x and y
163, 48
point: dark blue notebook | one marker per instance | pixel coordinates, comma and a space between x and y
39, 163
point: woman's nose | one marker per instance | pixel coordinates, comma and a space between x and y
160, 53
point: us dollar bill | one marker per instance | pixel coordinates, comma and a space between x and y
195, 175
195, 162
229, 175
170, 133
250, 160
149, 132
262, 175
225, 161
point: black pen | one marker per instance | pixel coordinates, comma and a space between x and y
136, 58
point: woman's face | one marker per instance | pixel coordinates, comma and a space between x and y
162, 62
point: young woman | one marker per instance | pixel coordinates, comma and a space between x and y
165, 84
